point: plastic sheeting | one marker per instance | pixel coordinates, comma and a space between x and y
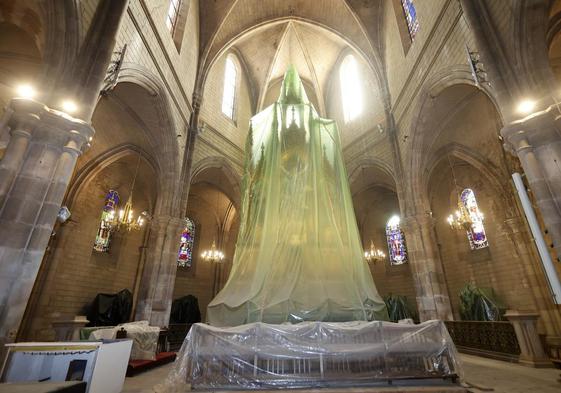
144, 338
298, 254
312, 354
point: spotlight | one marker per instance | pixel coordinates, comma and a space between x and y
526, 106
26, 91
69, 106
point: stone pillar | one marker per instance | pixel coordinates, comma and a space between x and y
537, 142
88, 73
433, 301
22, 120
525, 327
34, 175
39, 161
533, 279
158, 278
190, 148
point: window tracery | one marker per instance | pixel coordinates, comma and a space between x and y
105, 230
173, 15
410, 17
229, 94
396, 241
186, 242
351, 92
476, 234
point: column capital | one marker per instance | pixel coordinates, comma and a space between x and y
197, 99
56, 127
417, 220
167, 220
25, 114
538, 129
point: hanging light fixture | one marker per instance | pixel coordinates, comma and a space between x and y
125, 219
461, 219
214, 254
374, 255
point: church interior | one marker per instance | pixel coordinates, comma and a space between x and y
140, 193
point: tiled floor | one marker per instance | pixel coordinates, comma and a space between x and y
483, 374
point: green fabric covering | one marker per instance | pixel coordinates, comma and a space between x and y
398, 308
298, 254
480, 304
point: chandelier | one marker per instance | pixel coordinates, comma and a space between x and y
213, 255
125, 219
374, 255
461, 219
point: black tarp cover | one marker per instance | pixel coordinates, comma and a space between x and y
110, 309
185, 310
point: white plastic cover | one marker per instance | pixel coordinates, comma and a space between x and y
312, 354
145, 338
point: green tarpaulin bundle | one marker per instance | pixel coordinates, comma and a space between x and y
298, 255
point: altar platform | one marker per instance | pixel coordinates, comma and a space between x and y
311, 355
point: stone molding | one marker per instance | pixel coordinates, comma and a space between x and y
49, 125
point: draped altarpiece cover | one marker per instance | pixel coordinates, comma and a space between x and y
298, 255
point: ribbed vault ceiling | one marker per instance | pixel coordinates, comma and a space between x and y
271, 34
268, 53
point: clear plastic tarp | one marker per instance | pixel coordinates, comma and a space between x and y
298, 254
313, 354
144, 336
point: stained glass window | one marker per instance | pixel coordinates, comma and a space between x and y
185, 254
410, 17
229, 94
103, 237
476, 235
173, 15
351, 93
396, 242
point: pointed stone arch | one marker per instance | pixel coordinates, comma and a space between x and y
233, 190
163, 134
416, 163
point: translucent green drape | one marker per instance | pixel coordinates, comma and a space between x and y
298, 254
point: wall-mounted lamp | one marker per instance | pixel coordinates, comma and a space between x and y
69, 106
525, 107
26, 91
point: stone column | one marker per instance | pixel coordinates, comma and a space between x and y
190, 148
39, 162
22, 121
533, 278
158, 278
34, 176
537, 142
433, 301
89, 71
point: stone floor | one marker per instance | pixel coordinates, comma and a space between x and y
484, 375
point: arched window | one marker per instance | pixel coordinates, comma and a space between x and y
229, 94
351, 93
476, 235
103, 237
173, 15
396, 242
410, 17
186, 242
